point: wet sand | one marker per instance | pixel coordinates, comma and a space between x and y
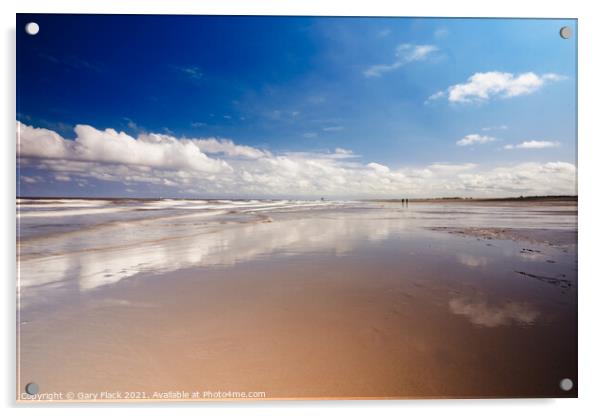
362, 300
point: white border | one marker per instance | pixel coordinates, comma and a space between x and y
457, 8
590, 68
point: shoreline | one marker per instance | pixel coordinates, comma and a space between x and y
536, 198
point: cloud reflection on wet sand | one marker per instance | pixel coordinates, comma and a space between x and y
482, 313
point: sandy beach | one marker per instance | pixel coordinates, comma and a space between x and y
297, 299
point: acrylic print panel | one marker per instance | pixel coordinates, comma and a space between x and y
221, 207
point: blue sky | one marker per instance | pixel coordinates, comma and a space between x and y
298, 89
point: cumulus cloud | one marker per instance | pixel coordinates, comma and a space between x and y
377, 167
404, 54
483, 86
110, 146
532, 144
220, 167
452, 168
522, 179
226, 147
471, 139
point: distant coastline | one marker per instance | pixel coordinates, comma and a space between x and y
536, 198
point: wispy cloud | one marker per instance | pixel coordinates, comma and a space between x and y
500, 127
333, 128
72, 62
316, 99
533, 144
441, 33
344, 152
192, 72
58, 126
132, 125
31, 179
383, 33
404, 54
472, 139
483, 86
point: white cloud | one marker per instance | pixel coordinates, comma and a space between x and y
341, 151
316, 99
220, 167
132, 124
383, 33
440, 33
31, 179
532, 144
409, 53
110, 146
522, 179
404, 54
452, 168
436, 96
62, 178
226, 147
190, 71
483, 86
471, 139
500, 127
378, 167
333, 128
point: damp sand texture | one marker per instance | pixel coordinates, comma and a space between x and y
298, 299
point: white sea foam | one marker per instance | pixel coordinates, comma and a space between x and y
69, 212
